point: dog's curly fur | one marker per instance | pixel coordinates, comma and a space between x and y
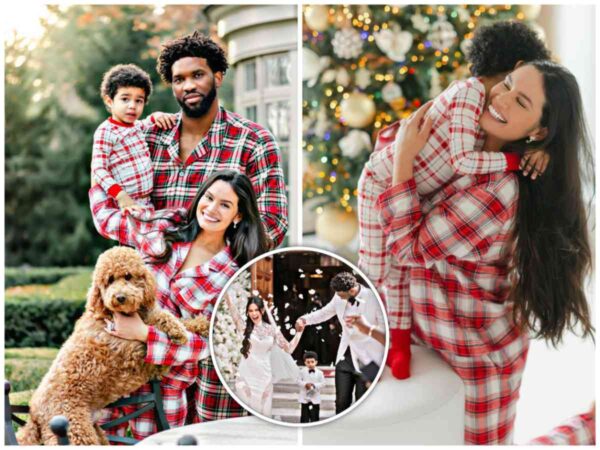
94, 368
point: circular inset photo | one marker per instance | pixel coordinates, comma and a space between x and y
299, 336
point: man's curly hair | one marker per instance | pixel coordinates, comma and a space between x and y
343, 282
497, 48
195, 45
125, 75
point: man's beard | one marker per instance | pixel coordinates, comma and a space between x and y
199, 109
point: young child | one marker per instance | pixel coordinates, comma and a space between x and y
310, 381
121, 161
455, 114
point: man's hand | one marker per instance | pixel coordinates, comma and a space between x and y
164, 121
534, 162
300, 324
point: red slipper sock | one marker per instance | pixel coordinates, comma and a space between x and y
399, 354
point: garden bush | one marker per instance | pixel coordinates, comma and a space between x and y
20, 276
40, 322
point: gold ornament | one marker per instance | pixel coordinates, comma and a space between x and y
398, 104
317, 17
358, 110
336, 226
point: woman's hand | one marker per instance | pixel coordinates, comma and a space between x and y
411, 138
131, 327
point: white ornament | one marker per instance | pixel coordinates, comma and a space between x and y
463, 14
420, 22
394, 42
358, 110
436, 85
342, 77
323, 124
354, 143
312, 65
317, 17
347, 43
390, 92
442, 34
531, 12
362, 78
466, 45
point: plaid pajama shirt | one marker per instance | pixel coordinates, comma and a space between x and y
185, 294
121, 159
450, 150
232, 142
578, 430
454, 247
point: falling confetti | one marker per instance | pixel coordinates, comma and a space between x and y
255, 293
287, 319
300, 296
285, 288
288, 326
318, 271
287, 305
293, 331
300, 270
270, 295
322, 340
302, 276
311, 291
319, 327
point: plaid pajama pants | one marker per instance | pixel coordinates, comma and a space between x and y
492, 382
578, 430
212, 402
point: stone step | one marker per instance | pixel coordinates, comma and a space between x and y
291, 415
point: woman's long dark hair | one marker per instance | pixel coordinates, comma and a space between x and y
250, 325
247, 240
552, 250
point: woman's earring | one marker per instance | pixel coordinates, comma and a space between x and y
529, 140
235, 224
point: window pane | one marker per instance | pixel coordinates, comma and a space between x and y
278, 67
278, 115
250, 75
251, 113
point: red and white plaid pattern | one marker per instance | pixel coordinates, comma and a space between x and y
579, 430
185, 294
454, 246
450, 150
121, 159
232, 142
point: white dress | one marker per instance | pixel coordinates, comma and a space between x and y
269, 352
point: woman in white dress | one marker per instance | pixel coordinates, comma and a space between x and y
265, 355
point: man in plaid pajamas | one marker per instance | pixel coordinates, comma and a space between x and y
449, 152
208, 138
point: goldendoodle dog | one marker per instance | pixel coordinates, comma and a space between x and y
94, 368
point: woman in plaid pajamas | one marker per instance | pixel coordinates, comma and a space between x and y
490, 257
192, 254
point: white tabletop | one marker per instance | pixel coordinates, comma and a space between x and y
239, 431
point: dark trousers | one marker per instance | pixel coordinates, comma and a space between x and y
309, 412
347, 381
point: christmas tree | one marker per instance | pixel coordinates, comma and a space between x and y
365, 67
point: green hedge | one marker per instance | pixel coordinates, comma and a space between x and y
19, 276
25, 368
40, 323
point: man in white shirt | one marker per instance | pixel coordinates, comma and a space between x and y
310, 381
357, 352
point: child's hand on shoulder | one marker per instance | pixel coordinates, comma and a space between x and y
164, 121
534, 162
